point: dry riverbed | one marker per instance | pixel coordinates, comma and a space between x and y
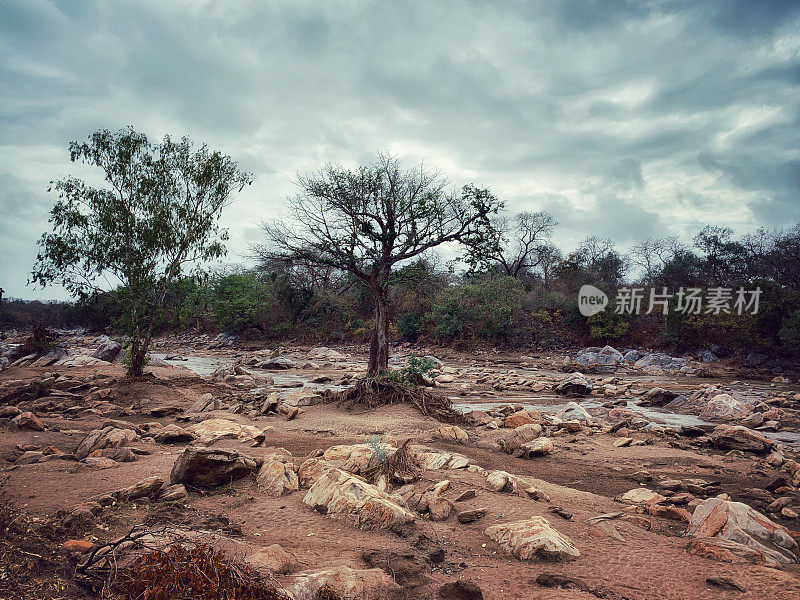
607, 489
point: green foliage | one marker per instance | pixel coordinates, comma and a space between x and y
608, 326
409, 325
790, 332
486, 310
411, 374
157, 213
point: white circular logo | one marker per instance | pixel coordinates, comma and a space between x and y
591, 300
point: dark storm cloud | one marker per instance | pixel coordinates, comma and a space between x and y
624, 119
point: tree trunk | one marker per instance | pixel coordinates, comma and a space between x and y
379, 343
138, 351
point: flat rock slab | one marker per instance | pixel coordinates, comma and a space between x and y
533, 538
338, 492
734, 528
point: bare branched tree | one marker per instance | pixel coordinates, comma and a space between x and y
517, 247
366, 221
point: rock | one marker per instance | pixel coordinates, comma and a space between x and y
203, 403
574, 384
439, 508
554, 580
364, 584
27, 420
99, 462
445, 378
725, 407
143, 489
108, 350
538, 447
212, 430
753, 420
324, 353
500, 481
165, 410
523, 417
9, 412
173, 434
470, 516
606, 356
573, 410
533, 538
338, 492
279, 363
707, 356
460, 589
108, 437
479, 417
641, 496
736, 437
657, 397
453, 433
739, 530
466, 495
659, 361
521, 435
205, 468
274, 559
622, 442
276, 476
172, 493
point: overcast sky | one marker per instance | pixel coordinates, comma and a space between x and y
622, 119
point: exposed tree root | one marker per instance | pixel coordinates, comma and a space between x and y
399, 468
372, 392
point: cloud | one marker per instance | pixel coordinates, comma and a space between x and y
625, 119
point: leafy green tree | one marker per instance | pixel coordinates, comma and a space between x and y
157, 216
366, 221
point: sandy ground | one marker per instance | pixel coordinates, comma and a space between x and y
640, 559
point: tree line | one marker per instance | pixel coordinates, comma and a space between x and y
359, 258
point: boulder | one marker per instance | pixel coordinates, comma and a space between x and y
205, 467
574, 411
173, 434
501, 481
574, 384
108, 437
641, 496
27, 420
737, 437
606, 356
212, 430
655, 361
324, 353
172, 493
735, 528
276, 476
274, 559
108, 349
203, 403
145, 488
522, 417
521, 435
533, 538
453, 433
344, 582
338, 492
657, 397
538, 447
725, 407
279, 363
